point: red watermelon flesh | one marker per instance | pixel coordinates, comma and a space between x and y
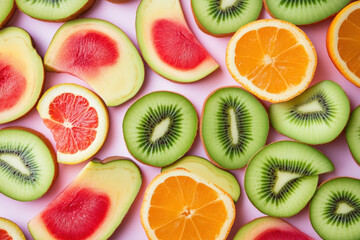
176, 45
76, 214
282, 234
86, 51
4, 235
12, 86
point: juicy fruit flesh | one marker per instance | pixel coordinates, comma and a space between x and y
280, 234
72, 122
272, 59
4, 235
186, 208
349, 42
86, 52
176, 45
12, 86
352, 134
77, 214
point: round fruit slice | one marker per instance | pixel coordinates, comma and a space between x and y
211, 173
317, 116
352, 134
78, 120
160, 127
27, 164
221, 18
182, 204
54, 10
270, 228
168, 45
7, 10
282, 177
21, 74
93, 205
343, 42
234, 126
10, 231
305, 11
271, 58
335, 209
99, 53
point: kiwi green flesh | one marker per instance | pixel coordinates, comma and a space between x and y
54, 10
160, 127
302, 12
353, 134
317, 116
335, 209
27, 167
234, 127
6, 9
210, 172
282, 177
221, 17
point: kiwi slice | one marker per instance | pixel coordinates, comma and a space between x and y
234, 126
282, 177
353, 134
223, 17
27, 164
160, 127
335, 209
302, 12
316, 116
54, 10
7, 10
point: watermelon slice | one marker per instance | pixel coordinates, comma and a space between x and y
21, 74
93, 205
168, 45
99, 53
270, 228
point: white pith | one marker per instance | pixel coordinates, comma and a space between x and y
246, 83
95, 102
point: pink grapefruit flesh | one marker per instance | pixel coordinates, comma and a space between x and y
73, 123
176, 45
76, 214
12, 86
87, 51
4, 235
282, 234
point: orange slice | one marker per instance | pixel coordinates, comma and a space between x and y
78, 120
180, 205
271, 58
343, 42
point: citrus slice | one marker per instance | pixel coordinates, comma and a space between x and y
343, 42
271, 58
78, 120
180, 205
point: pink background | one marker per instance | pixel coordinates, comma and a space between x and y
123, 15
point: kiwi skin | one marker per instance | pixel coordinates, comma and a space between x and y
201, 120
197, 127
81, 11
48, 145
9, 16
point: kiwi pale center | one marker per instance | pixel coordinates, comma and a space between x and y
233, 126
282, 178
222, 10
310, 107
224, 4
16, 162
160, 129
343, 208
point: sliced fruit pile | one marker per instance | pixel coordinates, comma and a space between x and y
78, 120
180, 203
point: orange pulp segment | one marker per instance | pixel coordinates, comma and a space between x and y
343, 42
180, 205
272, 59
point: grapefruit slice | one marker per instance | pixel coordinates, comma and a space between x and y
343, 42
272, 59
78, 120
168, 45
10, 231
182, 204
21, 74
93, 205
